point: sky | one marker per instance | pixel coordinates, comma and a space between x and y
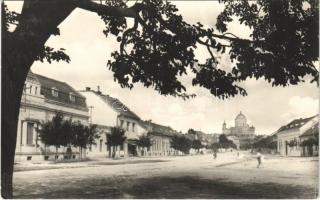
266, 107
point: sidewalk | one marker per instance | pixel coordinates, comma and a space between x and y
92, 162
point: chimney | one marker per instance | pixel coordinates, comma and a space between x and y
88, 88
98, 90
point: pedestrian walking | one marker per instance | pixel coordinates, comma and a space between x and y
215, 154
259, 158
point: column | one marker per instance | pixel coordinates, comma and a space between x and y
125, 149
24, 133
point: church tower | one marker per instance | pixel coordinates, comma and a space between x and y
224, 127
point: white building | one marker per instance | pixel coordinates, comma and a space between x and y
288, 136
107, 112
41, 99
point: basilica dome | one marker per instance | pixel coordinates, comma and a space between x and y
240, 120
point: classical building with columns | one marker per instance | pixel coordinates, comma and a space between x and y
107, 112
42, 98
241, 132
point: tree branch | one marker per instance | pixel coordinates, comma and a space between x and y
124, 35
108, 10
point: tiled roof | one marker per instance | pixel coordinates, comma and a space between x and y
160, 129
312, 131
63, 90
123, 109
296, 123
116, 104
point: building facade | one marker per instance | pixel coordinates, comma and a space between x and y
289, 141
310, 141
106, 112
160, 137
42, 98
241, 132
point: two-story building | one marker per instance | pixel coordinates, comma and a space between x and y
107, 112
288, 136
42, 98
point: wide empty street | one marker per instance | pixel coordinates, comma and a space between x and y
200, 176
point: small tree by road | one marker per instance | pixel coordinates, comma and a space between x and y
144, 142
56, 132
115, 138
196, 144
59, 132
84, 136
181, 143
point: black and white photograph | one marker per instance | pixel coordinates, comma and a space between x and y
160, 99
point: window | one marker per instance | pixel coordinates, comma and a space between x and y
121, 123
100, 146
72, 97
29, 133
24, 88
128, 124
54, 92
133, 127
30, 89
35, 91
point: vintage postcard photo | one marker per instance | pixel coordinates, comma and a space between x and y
159, 99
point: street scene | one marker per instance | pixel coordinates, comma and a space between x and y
200, 176
157, 99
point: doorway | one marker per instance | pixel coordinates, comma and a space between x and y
132, 150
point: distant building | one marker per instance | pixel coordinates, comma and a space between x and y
106, 112
241, 131
310, 141
41, 99
160, 137
291, 135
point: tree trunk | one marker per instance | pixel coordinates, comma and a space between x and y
109, 151
113, 151
55, 157
19, 51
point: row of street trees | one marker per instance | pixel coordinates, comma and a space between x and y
117, 138
224, 142
60, 132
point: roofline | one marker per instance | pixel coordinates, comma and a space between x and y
74, 90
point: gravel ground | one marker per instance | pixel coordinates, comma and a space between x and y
172, 177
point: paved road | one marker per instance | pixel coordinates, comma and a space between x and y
174, 177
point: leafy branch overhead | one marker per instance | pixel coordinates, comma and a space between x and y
158, 47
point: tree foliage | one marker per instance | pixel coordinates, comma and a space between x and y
144, 141
224, 142
60, 132
265, 142
159, 47
56, 132
116, 138
196, 144
181, 143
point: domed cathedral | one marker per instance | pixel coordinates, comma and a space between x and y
242, 130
